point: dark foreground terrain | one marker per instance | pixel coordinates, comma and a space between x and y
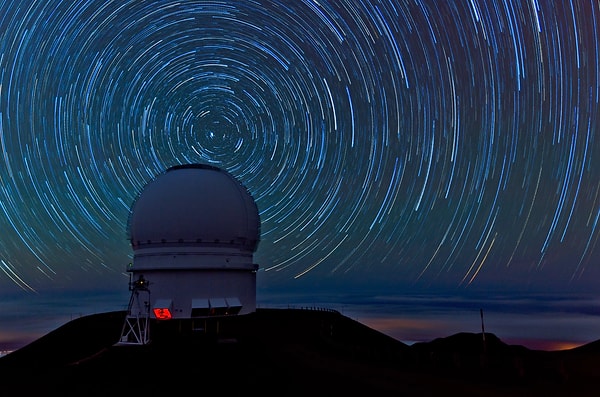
286, 352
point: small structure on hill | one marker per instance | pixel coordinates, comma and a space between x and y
194, 230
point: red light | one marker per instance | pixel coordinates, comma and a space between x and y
162, 313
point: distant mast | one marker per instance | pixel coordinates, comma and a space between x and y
482, 328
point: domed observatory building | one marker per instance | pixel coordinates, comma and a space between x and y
193, 230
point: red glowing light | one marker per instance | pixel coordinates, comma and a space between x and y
162, 313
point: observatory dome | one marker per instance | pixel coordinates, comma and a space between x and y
195, 205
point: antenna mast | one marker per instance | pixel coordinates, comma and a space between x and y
136, 329
482, 330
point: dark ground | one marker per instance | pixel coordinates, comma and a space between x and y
287, 352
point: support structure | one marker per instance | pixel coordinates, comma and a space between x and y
136, 329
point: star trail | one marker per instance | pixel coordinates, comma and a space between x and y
398, 143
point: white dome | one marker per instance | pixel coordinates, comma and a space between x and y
195, 205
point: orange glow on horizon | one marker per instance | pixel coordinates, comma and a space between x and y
545, 344
411, 330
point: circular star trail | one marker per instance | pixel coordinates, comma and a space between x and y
397, 142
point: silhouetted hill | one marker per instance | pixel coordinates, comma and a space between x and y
286, 352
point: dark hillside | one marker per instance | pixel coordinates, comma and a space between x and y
286, 352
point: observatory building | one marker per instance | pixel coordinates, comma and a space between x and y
193, 230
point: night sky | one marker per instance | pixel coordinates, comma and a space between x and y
394, 145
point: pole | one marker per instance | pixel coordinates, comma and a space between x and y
482, 327
484, 355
